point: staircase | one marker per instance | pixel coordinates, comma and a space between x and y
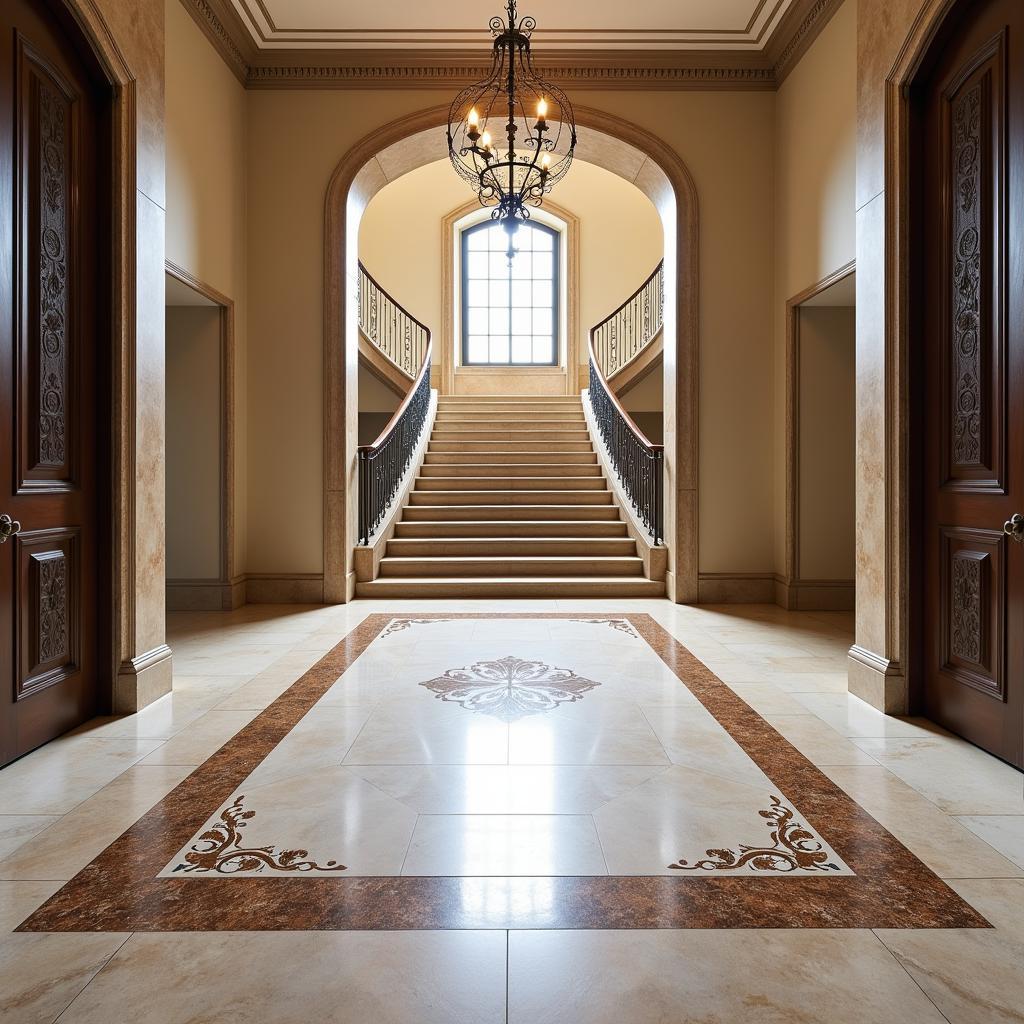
510, 502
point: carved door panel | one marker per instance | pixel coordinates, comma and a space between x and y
49, 276
970, 318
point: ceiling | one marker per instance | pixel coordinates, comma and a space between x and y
609, 25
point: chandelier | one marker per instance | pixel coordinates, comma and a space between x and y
533, 119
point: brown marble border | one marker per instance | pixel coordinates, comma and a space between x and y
120, 890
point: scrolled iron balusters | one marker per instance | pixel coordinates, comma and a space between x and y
382, 465
638, 464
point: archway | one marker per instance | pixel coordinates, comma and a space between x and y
605, 140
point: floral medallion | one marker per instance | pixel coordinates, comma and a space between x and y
510, 688
793, 847
620, 625
220, 849
399, 625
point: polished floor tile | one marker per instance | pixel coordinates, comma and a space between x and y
1004, 832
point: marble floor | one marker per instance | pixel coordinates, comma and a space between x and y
511, 811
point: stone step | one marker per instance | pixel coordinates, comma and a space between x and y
505, 512
510, 483
512, 528
524, 433
505, 547
507, 497
510, 469
512, 567
466, 446
510, 458
511, 587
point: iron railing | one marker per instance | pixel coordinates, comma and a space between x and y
624, 334
382, 465
389, 326
639, 465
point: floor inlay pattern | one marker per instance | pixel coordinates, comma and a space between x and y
509, 688
698, 756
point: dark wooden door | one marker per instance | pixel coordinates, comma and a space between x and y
50, 123
968, 245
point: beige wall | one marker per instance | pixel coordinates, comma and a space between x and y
206, 198
193, 498
826, 472
296, 139
815, 175
400, 237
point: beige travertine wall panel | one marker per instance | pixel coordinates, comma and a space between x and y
400, 238
193, 499
814, 201
206, 198
296, 139
827, 443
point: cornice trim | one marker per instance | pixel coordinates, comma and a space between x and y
377, 69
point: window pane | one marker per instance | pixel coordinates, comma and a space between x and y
499, 321
477, 321
542, 293
521, 322
498, 265
541, 321
542, 241
477, 240
522, 266
497, 239
476, 293
477, 264
522, 293
542, 266
521, 350
499, 350
542, 350
477, 349
499, 292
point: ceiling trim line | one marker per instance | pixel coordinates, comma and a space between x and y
730, 69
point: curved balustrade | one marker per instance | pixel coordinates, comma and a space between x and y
624, 334
639, 464
406, 342
389, 326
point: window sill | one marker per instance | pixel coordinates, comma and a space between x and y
551, 371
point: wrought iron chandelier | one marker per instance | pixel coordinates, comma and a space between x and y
514, 180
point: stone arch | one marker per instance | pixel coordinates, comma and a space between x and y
606, 140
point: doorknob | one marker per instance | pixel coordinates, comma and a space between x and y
8, 527
1014, 527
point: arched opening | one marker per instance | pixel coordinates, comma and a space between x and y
606, 141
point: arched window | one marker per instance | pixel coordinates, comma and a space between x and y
510, 311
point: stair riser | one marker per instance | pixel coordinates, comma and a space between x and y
442, 434
526, 529
505, 588
577, 472
510, 483
463, 412
510, 459
468, 446
443, 568
535, 513
531, 423
520, 547
449, 400
510, 498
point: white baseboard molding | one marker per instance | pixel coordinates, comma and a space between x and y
141, 680
878, 680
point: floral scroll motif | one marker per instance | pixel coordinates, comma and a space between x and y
510, 688
220, 849
793, 847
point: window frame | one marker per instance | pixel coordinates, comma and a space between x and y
556, 306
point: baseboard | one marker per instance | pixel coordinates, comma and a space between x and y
205, 595
284, 588
141, 680
815, 595
878, 680
736, 588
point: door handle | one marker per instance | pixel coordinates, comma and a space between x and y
8, 527
1014, 527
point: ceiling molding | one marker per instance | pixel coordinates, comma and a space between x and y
582, 69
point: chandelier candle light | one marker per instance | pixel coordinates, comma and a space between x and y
518, 178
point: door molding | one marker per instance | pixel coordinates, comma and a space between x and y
791, 590
226, 592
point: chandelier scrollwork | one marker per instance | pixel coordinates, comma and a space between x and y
532, 117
